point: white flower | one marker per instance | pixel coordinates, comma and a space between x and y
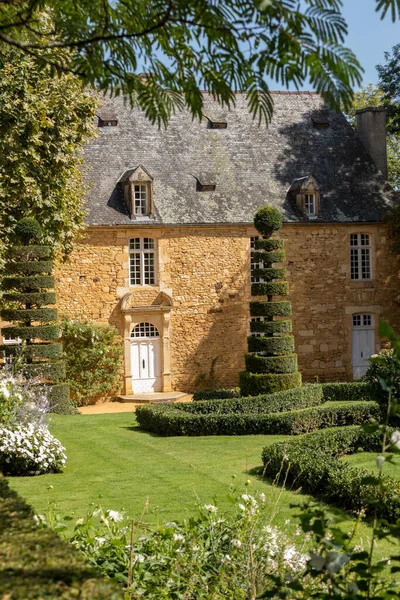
100, 540
261, 497
395, 439
5, 391
242, 507
79, 522
226, 558
379, 461
236, 543
139, 558
115, 516
178, 537
210, 508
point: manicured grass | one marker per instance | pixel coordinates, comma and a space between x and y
367, 461
114, 464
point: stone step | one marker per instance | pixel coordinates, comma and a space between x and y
155, 398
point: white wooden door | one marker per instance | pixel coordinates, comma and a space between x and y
363, 343
146, 359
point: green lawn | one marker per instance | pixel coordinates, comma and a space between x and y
367, 461
114, 464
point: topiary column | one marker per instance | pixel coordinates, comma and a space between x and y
271, 364
28, 291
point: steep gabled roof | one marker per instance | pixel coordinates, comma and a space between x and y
250, 165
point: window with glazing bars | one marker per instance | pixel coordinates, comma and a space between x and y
140, 199
360, 256
309, 205
142, 261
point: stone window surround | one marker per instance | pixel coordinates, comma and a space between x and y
141, 252
157, 315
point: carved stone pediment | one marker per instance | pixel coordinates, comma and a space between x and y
161, 303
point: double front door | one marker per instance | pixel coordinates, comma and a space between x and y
146, 359
363, 343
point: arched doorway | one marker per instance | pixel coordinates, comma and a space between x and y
146, 358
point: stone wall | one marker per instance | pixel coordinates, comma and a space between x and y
206, 272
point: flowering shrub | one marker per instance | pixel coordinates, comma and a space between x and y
20, 401
30, 450
382, 374
208, 556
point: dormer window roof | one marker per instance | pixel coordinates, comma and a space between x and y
216, 122
205, 183
320, 119
107, 116
137, 185
305, 192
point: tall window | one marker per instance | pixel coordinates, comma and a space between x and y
309, 205
142, 261
140, 199
360, 256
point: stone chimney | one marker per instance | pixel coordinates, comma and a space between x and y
371, 127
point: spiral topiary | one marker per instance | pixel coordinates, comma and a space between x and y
26, 281
271, 364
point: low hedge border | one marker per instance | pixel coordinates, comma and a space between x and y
223, 394
271, 309
312, 463
285, 363
272, 346
271, 327
274, 288
168, 420
346, 391
36, 563
267, 383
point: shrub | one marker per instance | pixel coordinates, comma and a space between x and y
267, 220
346, 391
37, 564
328, 478
30, 450
223, 394
26, 277
93, 356
384, 371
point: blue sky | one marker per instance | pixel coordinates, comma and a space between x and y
369, 37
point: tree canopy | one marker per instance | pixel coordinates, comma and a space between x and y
185, 46
44, 124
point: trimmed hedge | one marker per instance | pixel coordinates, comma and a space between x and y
58, 395
51, 350
28, 284
268, 245
45, 370
33, 314
285, 363
222, 394
346, 391
271, 309
271, 345
275, 288
270, 273
271, 327
25, 253
45, 332
31, 267
267, 220
312, 463
269, 258
267, 383
168, 420
37, 298
37, 564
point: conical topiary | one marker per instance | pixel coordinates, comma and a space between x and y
271, 364
28, 288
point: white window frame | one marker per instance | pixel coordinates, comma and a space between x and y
310, 205
140, 193
254, 265
142, 250
360, 257
146, 331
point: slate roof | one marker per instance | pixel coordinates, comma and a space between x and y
250, 165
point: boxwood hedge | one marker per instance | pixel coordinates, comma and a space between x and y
266, 383
311, 462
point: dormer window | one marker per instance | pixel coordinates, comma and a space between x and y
216, 124
305, 191
107, 122
137, 186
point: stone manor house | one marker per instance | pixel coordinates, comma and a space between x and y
168, 249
